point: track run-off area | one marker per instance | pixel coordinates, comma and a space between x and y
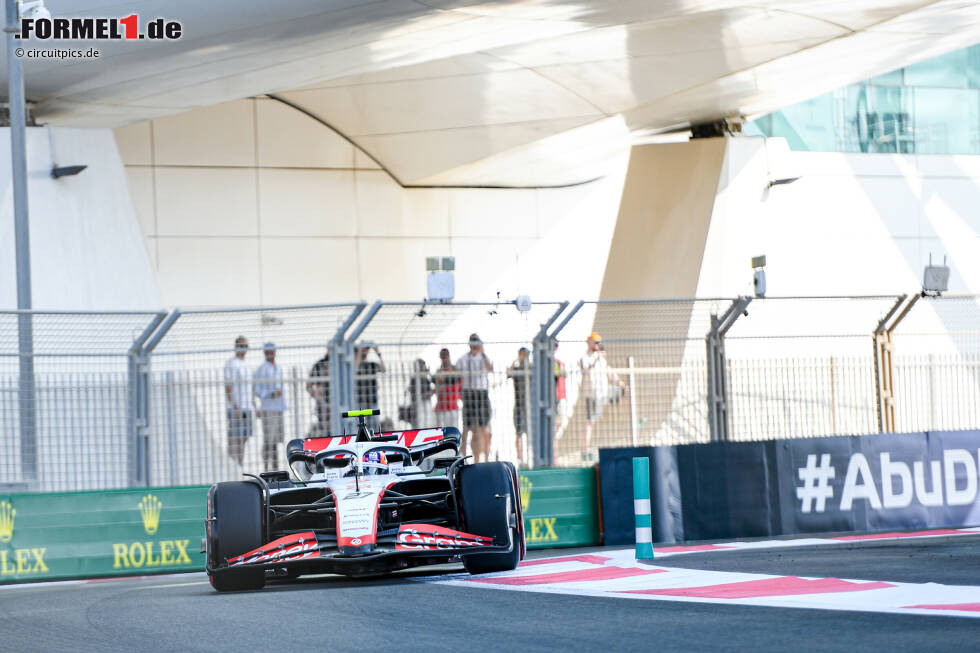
909, 591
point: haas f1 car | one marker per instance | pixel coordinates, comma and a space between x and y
363, 505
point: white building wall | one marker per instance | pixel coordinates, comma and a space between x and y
851, 224
86, 247
252, 202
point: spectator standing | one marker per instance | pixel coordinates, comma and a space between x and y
561, 394
520, 372
366, 376
447, 382
238, 394
319, 388
268, 388
596, 379
420, 391
474, 368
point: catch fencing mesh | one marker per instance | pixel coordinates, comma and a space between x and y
414, 390
190, 421
794, 367
67, 432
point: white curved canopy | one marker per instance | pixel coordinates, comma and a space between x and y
526, 92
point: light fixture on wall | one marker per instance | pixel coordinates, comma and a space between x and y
440, 284
759, 275
780, 182
935, 279
65, 171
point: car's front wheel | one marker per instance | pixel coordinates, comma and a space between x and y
484, 489
234, 527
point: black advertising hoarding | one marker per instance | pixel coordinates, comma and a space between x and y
879, 482
882, 482
726, 490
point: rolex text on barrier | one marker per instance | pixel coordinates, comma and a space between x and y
92, 534
560, 507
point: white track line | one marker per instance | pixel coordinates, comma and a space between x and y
615, 573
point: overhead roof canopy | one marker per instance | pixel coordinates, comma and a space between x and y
519, 92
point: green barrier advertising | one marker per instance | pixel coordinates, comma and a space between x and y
121, 532
560, 507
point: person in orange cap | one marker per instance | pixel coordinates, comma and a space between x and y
596, 379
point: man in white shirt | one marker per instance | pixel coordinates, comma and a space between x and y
268, 388
238, 393
596, 377
475, 368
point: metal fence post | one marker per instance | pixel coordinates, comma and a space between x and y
22, 246
140, 388
171, 426
342, 365
340, 383
717, 368
884, 370
137, 404
295, 385
543, 400
634, 427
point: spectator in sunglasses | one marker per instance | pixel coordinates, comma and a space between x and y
238, 395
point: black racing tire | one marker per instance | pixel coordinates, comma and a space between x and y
485, 514
234, 527
519, 507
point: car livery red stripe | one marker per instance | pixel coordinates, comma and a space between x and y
298, 546
431, 537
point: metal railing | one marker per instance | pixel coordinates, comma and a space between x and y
132, 399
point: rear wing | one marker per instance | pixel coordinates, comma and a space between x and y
416, 440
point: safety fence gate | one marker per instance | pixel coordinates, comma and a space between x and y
130, 399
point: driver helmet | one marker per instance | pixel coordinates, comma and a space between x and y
379, 460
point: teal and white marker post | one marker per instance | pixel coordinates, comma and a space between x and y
641, 508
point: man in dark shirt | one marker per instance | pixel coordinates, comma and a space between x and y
319, 389
520, 372
366, 381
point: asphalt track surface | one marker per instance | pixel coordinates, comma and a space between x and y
329, 613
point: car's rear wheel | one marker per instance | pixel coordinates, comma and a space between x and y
483, 488
234, 527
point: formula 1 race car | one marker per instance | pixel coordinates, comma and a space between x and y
363, 505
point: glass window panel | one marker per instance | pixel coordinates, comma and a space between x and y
946, 121
857, 122
758, 127
948, 70
891, 125
973, 66
940, 115
894, 78
807, 125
